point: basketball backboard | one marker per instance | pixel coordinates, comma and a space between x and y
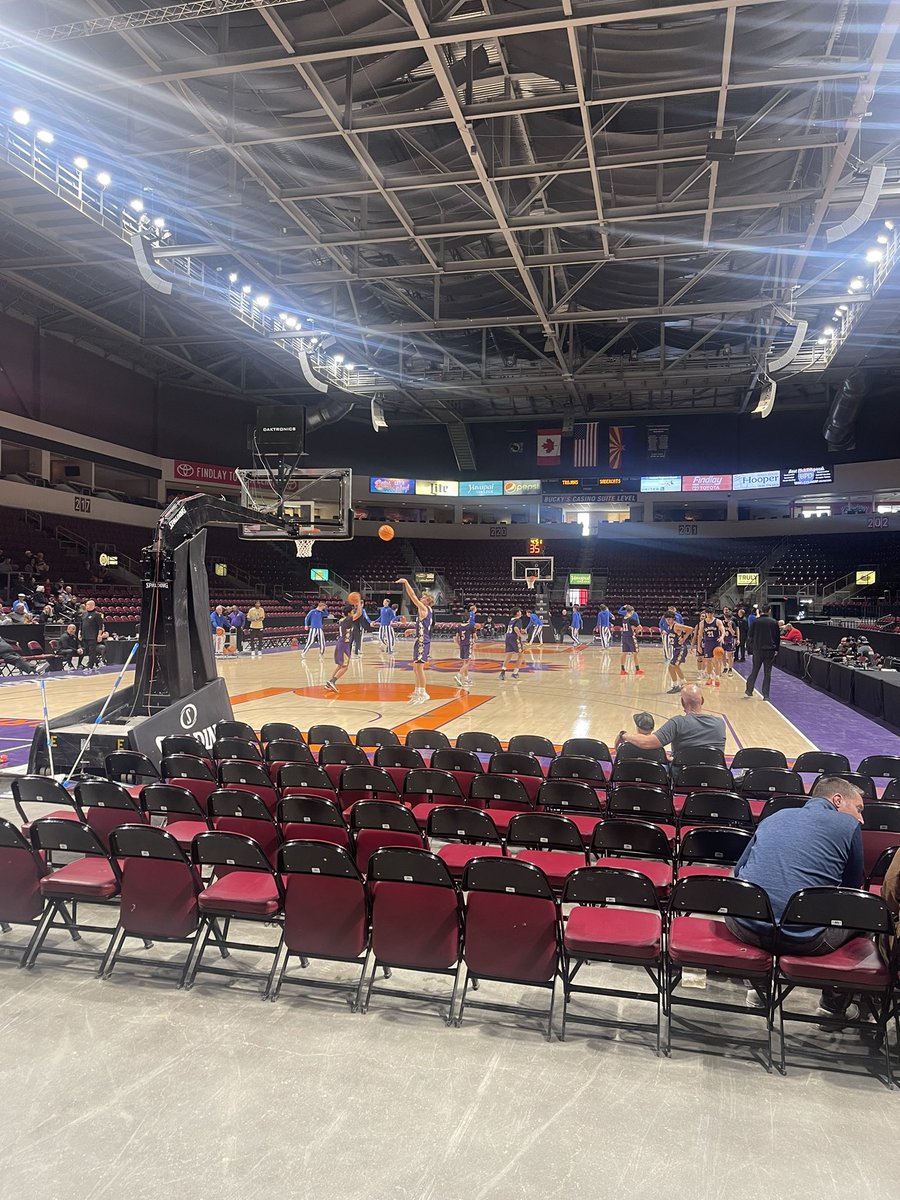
318, 497
525, 565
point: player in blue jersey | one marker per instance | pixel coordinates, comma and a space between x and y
387, 615
577, 623
676, 644
534, 629
343, 648
465, 635
424, 606
604, 626
314, 623
512, 646
631, 631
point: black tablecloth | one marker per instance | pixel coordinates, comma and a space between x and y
115, 653
876, 693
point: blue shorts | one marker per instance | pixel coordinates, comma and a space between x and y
512, 644
421, 651
728, 643
679, 654
629, 646
707, 648
341, 653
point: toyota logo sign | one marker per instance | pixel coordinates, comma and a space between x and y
188, 716
185, 470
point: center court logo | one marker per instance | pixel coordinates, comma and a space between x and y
188, 717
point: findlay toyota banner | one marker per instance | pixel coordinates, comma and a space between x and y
706, 483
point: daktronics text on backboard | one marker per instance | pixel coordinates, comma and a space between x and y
706, 483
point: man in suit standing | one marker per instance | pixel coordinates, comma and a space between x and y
764, 640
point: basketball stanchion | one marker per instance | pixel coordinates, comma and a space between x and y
42, 684
101, 714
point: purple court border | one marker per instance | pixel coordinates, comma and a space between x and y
829, 724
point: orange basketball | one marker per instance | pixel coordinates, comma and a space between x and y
718, 652
354, 598
385, 533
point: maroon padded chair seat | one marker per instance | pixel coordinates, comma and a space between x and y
185, 831
557, 865
457, 856
708, 943
613, 933
584, 821
90, 878
502, 817
303, 831
702, 869
422, 811
250, 892
658, 872
856, 963
60, 814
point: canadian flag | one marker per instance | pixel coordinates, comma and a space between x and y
549, 445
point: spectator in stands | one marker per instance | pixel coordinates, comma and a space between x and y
40, 564
743, 627
692, 727
238, 623
818, 845
792, 635
10, 655
91, 625
7, 564
21, 599
20, 614
28, 564
256, 615
47, 614
69, 647
764, 638
644, 723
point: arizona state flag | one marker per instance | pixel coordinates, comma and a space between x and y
619, 444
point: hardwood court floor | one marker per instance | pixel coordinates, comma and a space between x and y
561, 694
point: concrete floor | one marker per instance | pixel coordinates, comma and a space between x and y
131, 1088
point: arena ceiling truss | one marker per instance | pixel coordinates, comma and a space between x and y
475, 209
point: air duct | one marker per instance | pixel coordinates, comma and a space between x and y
327, 413
840, 424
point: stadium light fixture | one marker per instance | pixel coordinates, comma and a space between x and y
80, 162
262, 301
45, 137
889, 224
232, 277
857, 283
874, 254
21, 116
338, 359
136, 205
350, 367
159, 222
104, 179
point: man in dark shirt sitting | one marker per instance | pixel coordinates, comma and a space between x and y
69, 647
818, 845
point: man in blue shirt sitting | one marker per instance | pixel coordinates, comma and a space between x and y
818, 845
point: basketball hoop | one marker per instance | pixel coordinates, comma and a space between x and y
531, 578
304, 547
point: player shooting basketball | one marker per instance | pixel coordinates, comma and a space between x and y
424, 606
352, 612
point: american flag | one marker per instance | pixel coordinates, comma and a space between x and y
586, 443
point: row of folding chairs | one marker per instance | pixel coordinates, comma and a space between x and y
502, 921
235, 739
